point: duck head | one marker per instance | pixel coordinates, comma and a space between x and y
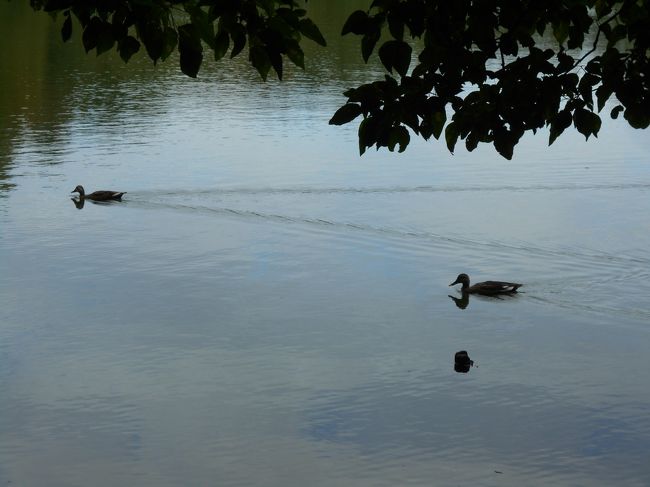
79, 189
461, 279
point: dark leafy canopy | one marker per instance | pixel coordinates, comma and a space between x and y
491, 70
272, 29
486, 70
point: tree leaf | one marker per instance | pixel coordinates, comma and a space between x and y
128, 47
576, 37
52, 5
97, 35
438, 121
565, 62
153, 38
618, 33
90, 34
276, 60
585, 87
105, 39
345, 114
471, 142
615, 111
66, 30
291, 17
221, 44
190, 49
311, 31
397, 55
603, 8
504, 142
637, 116
508, 44
200, 19
238, 36
357, 23
398, 136
364, 139
587, 122
451, 136
260, 61
368, 43
295, 53
559, 123
396, 27
403, 52
561, 30
603, 93
169, 41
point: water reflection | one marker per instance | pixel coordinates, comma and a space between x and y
265, 269
80, 202
5, 185
461, 302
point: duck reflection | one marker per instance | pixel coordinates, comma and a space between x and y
462, 362
461, 302
79, 202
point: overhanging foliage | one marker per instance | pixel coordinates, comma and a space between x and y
485, 70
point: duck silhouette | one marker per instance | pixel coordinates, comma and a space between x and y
462, 362
487, 288
101, 195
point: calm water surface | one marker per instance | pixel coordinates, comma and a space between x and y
267, 308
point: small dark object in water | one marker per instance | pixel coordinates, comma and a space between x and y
98, 195
489, 288
462, 362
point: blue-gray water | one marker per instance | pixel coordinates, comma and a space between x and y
267, 308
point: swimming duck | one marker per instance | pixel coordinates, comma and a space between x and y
462, 358
462, 362
487, 287
98, 195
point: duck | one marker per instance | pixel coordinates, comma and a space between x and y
462, 362
98, 195
489, 288
462, 358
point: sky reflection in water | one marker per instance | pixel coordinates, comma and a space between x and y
267, 308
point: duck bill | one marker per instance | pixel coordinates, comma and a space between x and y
455, 282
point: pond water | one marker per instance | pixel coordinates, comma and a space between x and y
266, 307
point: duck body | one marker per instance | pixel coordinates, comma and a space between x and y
101, 195
462, 358
462, 362
489, 288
